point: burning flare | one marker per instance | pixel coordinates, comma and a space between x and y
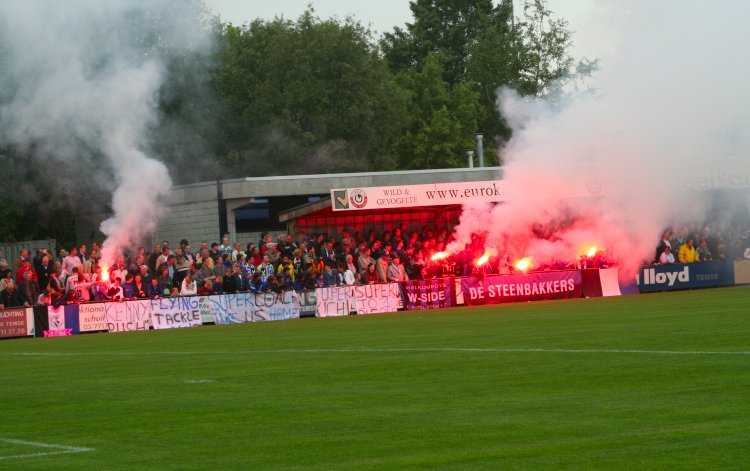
483, 259
523, 264
439, 256
105, 273
592, 251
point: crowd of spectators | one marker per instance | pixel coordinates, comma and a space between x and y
306, 261
690, 244
273, 264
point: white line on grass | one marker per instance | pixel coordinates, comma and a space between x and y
397, 350
62, 449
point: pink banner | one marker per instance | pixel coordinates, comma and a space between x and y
58, 333
495, 289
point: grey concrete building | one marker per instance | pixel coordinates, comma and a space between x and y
245, 207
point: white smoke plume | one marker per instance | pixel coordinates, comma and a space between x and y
670, 116
84, 76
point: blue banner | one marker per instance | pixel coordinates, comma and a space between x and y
71, 318
436, 293
678, 276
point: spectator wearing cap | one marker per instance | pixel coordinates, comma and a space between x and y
381, 266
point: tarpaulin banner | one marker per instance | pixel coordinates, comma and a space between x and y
275, 306
494, 289
172, 313
334, 301
372, 299
92, 317
128, 316
231, 308
428, 294
679, 276
16, 322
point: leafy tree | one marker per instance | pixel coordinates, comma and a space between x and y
484, 47
29, 210
448, 28
544, 53
310, 95
441, 119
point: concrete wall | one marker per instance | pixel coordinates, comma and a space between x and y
191, 213
195, 221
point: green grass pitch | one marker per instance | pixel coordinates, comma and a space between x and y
657, 381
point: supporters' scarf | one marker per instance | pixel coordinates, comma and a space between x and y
266, 269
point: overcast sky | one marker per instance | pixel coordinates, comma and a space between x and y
384, 15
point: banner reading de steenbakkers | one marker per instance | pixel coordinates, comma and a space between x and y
515, 288
435, 194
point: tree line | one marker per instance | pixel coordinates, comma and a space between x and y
316, 95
